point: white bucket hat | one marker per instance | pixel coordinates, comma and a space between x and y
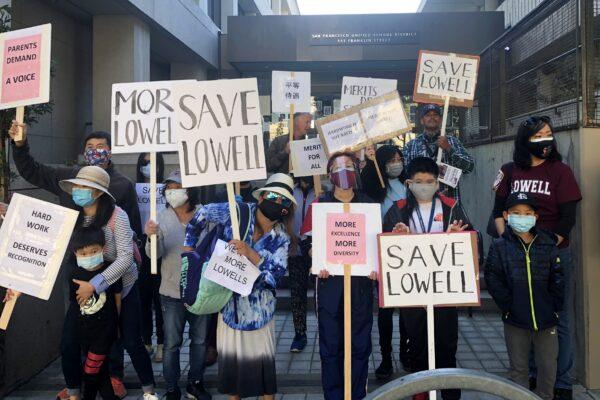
278, 183
91, 176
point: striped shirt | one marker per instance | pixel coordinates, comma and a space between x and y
118, 251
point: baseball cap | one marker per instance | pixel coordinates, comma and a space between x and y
519, 198
431, 107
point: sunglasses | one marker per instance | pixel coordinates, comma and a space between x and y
533, 121
277, 198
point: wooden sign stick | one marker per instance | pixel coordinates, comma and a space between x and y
7, 311
443, 130
347, 326
235, 225
291, 133
431, 344
19, 117
153, 244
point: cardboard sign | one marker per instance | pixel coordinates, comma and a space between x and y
449, 175
373, 121
231, 270
308, 157
33, 240
290, 88
143, 116
446, 74
332, 229
25, 67
431, 269
358, 90
219, 132
346, 240
143, 199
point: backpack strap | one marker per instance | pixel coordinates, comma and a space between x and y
244, 217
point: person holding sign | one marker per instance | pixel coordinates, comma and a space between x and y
524, 275
428, 143
343, 173
278, 154
426, 210
182, 204
246, 330
89, 191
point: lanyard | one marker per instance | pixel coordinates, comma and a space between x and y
431, 215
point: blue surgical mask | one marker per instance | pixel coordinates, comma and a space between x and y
82, 197
521, 223
90, 262
145, 170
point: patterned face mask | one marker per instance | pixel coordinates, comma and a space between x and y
96, 157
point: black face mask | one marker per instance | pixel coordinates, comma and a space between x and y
538, 149
273, 211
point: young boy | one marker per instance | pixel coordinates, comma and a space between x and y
98, 321
426, 210
524, 276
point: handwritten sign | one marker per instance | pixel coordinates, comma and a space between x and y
446, 74
219, 129
231, 270
33, 240
308, 157
430, 269
25, 66
358, 228
373, 121
290, 88
143, 200
358, 90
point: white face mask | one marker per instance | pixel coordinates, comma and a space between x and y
423, 191
176, 197
145, 170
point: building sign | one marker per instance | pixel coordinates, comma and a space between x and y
363, 38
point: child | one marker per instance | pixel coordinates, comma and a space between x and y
98, 321
525, 278
426, 210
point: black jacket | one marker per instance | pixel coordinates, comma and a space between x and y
47, 178
530, 294
402, 211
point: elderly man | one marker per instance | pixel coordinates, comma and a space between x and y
278, 155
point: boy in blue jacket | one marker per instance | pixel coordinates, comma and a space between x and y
525, 278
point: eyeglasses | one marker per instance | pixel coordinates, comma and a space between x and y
277, 198
338, 168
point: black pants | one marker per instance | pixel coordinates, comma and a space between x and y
97, 381
211, 330
299, 268
446, 340
385, 322
150, 300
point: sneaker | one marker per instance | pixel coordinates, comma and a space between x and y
532, 383
299, 343
211, 356
62, 395
563, 394
118, 387
150, 396
158, 354
173, 395
196, 391
421, 396
385, 369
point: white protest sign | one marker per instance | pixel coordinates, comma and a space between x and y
25, 66
345, 238
441, 75
358, 90
430, 269
219, 129
371, 122
143, 116
308, 157
290, 92
449, 175
33, 240
231, 270
143, 200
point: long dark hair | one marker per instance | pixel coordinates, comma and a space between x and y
193, 194
528, 128
160, 168
369, 178
105, 210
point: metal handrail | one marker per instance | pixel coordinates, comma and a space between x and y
451, 378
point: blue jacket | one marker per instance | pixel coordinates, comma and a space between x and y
526, 280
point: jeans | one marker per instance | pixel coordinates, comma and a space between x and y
175, 315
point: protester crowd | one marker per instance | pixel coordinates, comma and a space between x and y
112, 299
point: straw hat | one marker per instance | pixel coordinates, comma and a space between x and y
91, 176
278, 183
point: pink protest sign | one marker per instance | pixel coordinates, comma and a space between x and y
21, 68
346, 238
